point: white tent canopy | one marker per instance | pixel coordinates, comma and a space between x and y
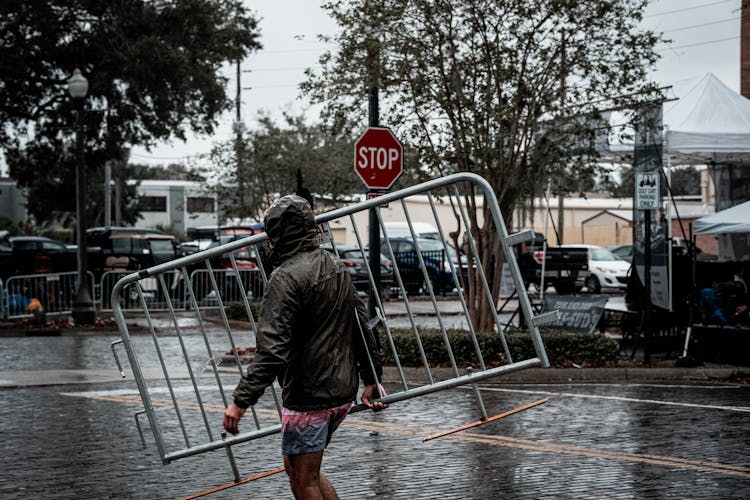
732, 227
708, 121
735, 220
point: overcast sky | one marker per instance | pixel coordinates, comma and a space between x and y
704, 33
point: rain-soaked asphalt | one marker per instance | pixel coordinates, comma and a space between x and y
69, 431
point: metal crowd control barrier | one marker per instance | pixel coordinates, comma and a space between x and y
186, 419
54, 291
202, 287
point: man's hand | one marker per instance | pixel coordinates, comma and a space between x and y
232, 416
373, 392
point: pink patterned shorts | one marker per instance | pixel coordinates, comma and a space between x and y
309, 431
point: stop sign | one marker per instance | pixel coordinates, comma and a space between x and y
378, 158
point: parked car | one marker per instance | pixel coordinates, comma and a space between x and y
437, 258
6, 252
129, 248
20, 255
113, 249
351, 256
36, 255
247, 262
679, 247
563, 266
203, 237
401, 230
606, 269
625, 252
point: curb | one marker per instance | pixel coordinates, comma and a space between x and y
563, 375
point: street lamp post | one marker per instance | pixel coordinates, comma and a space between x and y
83, 306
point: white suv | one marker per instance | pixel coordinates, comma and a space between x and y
607, 269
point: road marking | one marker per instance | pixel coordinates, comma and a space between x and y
657, 386
400, 429
743, 409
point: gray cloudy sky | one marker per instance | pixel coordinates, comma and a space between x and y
704, 34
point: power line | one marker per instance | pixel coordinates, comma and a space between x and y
152, 157
687, 8
699, 43
270, 86
704, 24
287, 51
255, 70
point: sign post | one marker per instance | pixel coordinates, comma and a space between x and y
378, 161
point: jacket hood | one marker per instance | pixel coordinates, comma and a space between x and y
290, 226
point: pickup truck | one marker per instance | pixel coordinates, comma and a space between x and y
563, 267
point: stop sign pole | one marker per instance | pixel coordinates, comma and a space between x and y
378, 161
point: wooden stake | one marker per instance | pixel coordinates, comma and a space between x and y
487, 421
232, 485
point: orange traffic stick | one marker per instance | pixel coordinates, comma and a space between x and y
232, 485
487, 420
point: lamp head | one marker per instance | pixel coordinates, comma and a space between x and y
78, 85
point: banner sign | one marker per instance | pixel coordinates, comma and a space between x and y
507, 285
577, 313
647, 165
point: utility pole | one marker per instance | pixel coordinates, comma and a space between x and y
239, 149
561, 192
374, 227
107, 193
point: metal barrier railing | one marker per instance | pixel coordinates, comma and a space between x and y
226, 282
181, 425
53, 292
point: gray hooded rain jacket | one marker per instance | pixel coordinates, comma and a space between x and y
308, 334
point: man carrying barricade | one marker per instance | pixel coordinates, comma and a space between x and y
314, 337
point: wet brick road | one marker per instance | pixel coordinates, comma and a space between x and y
614, 440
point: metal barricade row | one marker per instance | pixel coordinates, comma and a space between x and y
207, 357
50, 293
3, 300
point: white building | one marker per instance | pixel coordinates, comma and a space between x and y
177, 205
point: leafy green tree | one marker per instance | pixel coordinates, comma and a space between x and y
256, 165
509, 89
172, 171
154, 73
622, 185
685, 181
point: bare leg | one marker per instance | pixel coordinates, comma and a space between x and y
305, 478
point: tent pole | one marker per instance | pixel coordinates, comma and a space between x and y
665, 151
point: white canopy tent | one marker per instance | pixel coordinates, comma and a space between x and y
732, 226
735, 220
707, 123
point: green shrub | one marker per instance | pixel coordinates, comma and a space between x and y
63, 234
236, 310
563, 348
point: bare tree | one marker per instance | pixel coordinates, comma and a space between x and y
506, 89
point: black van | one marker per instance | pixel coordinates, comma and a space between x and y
129, 248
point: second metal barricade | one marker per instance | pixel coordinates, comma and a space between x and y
186, 366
